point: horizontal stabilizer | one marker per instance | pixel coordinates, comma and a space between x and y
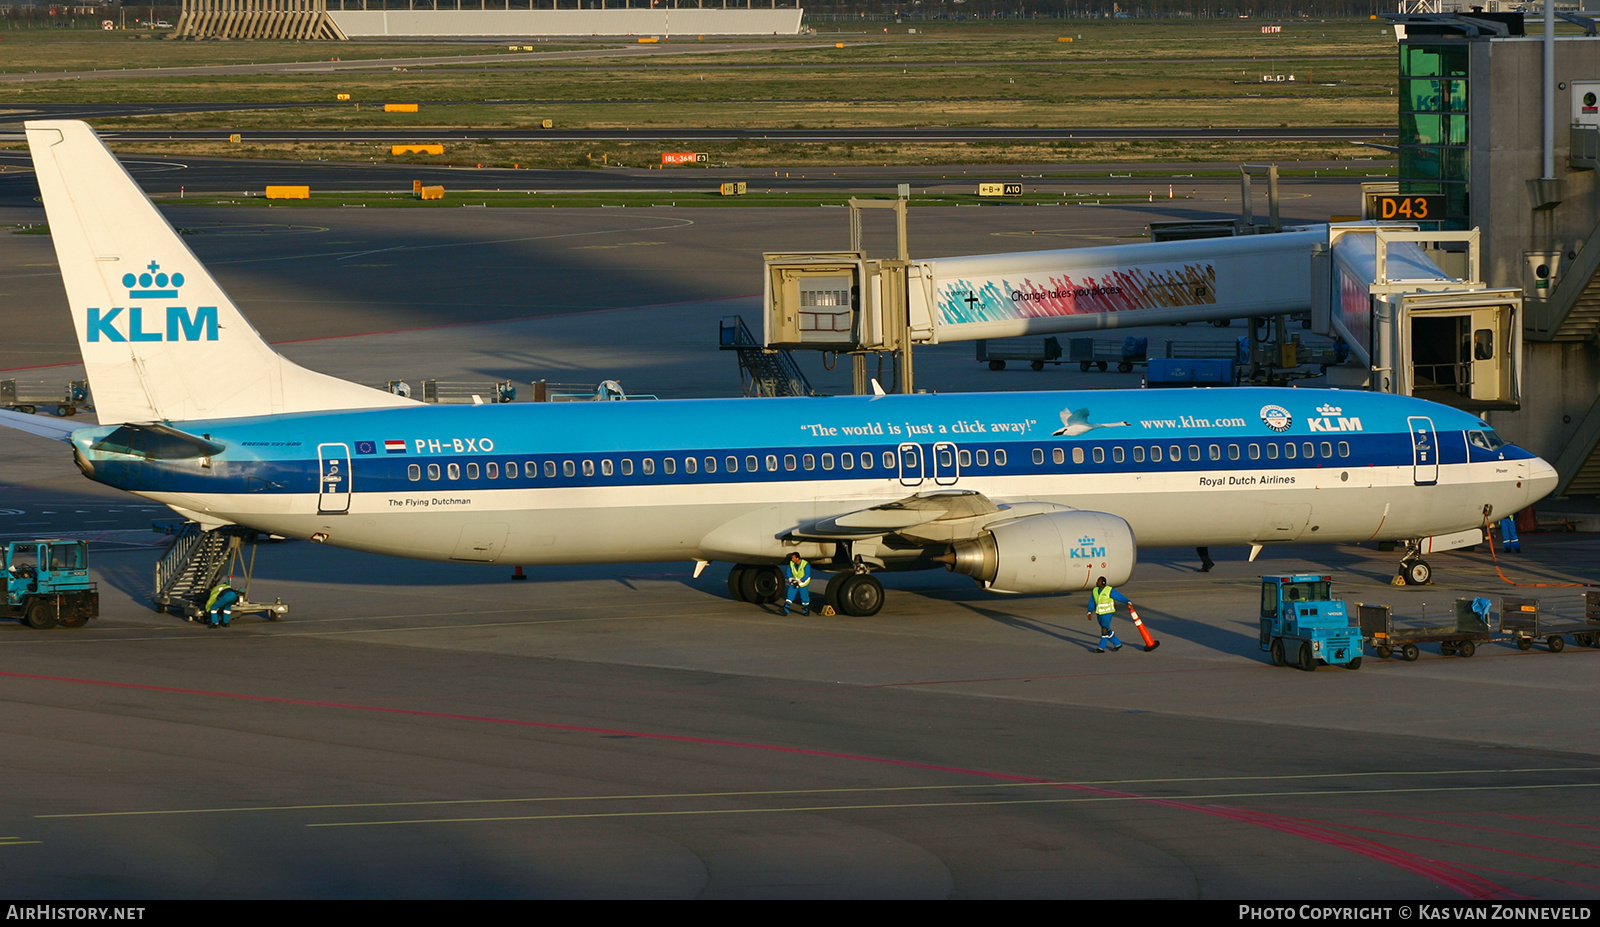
41, 425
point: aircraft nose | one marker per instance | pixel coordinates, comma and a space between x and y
1541, 479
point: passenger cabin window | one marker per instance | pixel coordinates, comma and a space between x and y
1058, 455
491, 470
1233, 452
1288, 450
983, 458
847, 461
669, 465
689, 465
588, 467
1344, 448
414, 472
1272, 452
1138, 453
1307, 450
1255, 452
751, 464
606, 468
731, 464
711, 464
453, 471
648, 466
472, 471
999, 457
1194, 452
1099, 455
965, 457
1327, 449
1116, 455
626, 465
550, 468
1038, 456
511, 470
827, 461
1077, 455
772, 463
1174, 453
568, 468
1214, 452
433, 471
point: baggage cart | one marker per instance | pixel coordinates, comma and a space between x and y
1457, 634
1100, 353
29, 397
1525, 621
1035, 352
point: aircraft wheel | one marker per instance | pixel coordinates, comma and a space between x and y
861, 595
997, 365
736, 582
1355, 664
830, 595
39, 616
1277, 652
1524, 643
1417, 572
1466, 649
764, 584
1409, 653
1556, 644
1306, 662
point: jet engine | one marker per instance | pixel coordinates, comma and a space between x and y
1048, 553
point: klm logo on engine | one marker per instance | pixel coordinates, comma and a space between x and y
1086, 550
1332, 419
128, 323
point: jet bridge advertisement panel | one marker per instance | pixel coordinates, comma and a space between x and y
1005, 295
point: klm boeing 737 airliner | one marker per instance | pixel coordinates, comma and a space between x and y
1025, 492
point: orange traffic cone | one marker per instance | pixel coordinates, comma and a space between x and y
1150, 643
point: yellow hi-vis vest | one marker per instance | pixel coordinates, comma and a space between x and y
798, 571
1103, 605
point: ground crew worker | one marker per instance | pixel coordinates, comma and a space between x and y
1102, 606
219, 605
799, 582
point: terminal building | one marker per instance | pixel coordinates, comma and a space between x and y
1511, 145
368, 19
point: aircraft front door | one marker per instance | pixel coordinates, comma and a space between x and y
911, 472
946, 468
333, 478
1424, 450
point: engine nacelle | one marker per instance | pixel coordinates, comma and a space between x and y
1047, 553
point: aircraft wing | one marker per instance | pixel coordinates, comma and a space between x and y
45, 426
934, 517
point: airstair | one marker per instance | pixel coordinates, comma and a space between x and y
764, 371
195, 561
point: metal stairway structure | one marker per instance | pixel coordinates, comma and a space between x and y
1572, 313
194, 562
763, 371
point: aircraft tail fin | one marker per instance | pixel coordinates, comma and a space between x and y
160, 339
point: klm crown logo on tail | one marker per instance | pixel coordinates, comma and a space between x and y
127, 323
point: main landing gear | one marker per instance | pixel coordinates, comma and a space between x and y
859, 595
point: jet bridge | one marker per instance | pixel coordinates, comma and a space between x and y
1412, 327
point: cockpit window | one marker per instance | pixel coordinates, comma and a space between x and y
156, 442
1486, 439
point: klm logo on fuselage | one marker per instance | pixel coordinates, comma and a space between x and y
128, 323
1332, 419
1086, 550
